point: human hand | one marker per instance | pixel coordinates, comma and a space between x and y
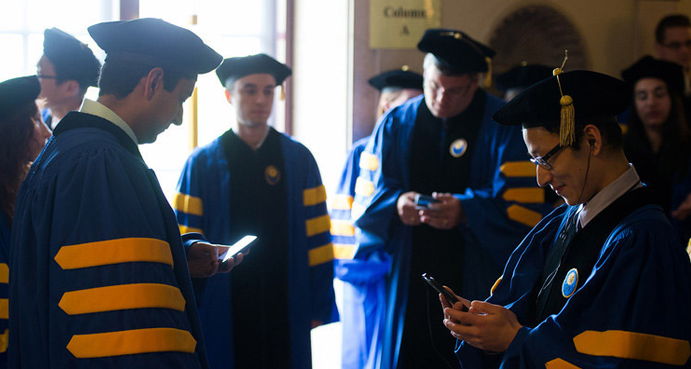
485, 326
445, 214
203, 262
406, 209
445, 303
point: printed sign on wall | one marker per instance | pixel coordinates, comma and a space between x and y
400, 24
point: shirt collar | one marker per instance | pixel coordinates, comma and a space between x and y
102, 111
626, 182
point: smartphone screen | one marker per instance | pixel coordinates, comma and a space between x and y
238, 247
423, 201
438, 286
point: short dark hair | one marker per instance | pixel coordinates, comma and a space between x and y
672, 20
60, 78
15, 135
119, 78
609, 130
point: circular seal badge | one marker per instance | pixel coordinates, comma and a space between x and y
272, 175
570, 283
458, 147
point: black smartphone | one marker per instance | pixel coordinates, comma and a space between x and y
423, 201
440, 288
238, 247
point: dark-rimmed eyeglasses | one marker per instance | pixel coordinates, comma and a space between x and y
676, 45
543, 160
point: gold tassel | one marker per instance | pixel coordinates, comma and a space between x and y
283, 93
567, 125
488, 75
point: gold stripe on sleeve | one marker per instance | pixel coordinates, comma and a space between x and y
518, 169
368, 161
185, 229
317, 225
4, 273
122, 297
343, 251
525, 195
4, 340
560, 364
632, 345
122, 250
321, 254
4, 309
138, 341
342, 202
495, 285
314, 196
342, 228
523, 215
188, 204
364, 187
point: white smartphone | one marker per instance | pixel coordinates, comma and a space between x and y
238, 247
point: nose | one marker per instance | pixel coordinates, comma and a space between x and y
543, 176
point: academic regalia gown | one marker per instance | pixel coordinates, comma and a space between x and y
501, 201
99, 276
5, 228
207, 204
629, 311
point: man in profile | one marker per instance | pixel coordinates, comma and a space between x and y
100, 278
66, 70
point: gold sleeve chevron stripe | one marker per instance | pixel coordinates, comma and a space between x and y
322, 254
188, 204
368, 162
343, 251
121, 250
560, 364
364, 187
4, 340
632, 345
314, 196
185, 229
342, 228
4, 273
518, 169
138, 341
523, 215
122, 297
342, 202
525, 195
317, 225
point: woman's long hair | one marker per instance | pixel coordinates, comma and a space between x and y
16, 132
675, 152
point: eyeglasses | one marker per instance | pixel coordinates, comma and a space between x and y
43, 76
677, 45
542, 160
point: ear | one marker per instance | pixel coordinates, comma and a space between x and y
153, 82
71, 87
593, 139
229, 96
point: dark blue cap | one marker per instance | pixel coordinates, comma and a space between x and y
16, 92
155, 42
522, 76
648, 67
71, 58
235, 68
399, 78
459, 51
595, 96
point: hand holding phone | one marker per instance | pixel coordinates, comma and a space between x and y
238, 247
423, 201
440, 288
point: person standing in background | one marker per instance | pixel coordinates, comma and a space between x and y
359, 312
253, 180
66, 70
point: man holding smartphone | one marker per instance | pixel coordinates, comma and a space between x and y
603, 281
